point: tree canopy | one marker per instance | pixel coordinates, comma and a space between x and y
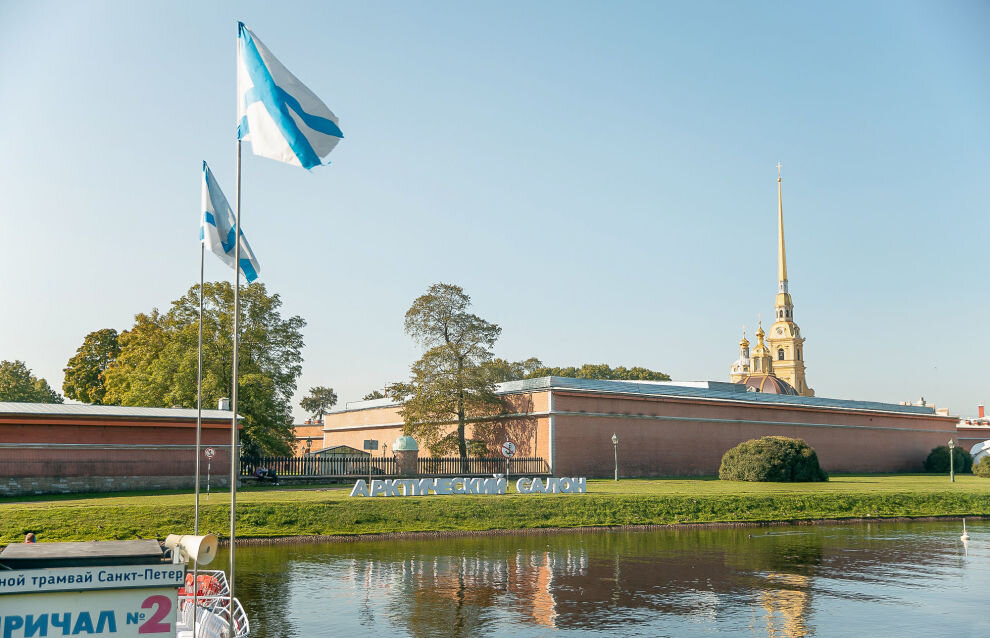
19, 385
500, 370
157, 363
374, 394
449, 382
319, 401
84, 371
600, 371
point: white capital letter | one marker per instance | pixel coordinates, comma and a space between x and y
360, 488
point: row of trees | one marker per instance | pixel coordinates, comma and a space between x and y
154, 363
18, 383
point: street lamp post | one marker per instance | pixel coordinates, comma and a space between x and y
615, 447
952, 469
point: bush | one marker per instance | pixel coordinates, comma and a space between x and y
771, 458
938, 460
983, 467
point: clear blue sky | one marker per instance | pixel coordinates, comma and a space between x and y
598, 176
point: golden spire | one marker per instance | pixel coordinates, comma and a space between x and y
781, 254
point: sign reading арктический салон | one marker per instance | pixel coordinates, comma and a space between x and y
480, 486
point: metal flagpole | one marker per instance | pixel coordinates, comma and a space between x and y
199, 388
234, 454
199, 431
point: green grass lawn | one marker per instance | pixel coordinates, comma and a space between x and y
276, 511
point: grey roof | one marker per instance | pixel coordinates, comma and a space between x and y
108, 411
712, 390
715, 392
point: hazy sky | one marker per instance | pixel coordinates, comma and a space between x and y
598, 176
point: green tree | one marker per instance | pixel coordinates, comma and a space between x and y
449, 382
19, 385
319, 401
600, 371
84, 372
157, 363
501, 370
374, 394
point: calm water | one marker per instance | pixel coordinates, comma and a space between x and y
889, 579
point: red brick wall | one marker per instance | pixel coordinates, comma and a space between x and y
694, 443
49, 448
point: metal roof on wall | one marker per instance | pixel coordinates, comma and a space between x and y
108, 411
715, 390
647, 389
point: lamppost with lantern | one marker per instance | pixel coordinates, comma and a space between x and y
615, 447
952, 469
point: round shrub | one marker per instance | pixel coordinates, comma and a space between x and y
983, 467
938, 460
771, 458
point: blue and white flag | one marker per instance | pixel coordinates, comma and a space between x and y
217, 229
281, 118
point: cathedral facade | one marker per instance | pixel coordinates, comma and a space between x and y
776, 364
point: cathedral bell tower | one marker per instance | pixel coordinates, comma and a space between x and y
741, 368
786, 343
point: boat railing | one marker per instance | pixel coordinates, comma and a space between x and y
212, 618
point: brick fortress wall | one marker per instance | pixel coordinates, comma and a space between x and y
69, 454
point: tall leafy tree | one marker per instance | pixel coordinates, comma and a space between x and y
158, 361
449, 382
319, 401
374, 394
84, 372
18, 384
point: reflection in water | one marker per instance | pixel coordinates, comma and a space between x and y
786, 607
781, 582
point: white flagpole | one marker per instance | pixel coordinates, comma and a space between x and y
234, 452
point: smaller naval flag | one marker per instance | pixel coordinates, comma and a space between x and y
217, 228
282, 119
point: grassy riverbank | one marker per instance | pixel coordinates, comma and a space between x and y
265, 512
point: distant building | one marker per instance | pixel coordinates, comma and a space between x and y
308, 436
971, 431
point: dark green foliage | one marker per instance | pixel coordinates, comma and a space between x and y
374, 394
319, 401
938, 460
18, 384
982, 468
771, 458
600, 371
500, 370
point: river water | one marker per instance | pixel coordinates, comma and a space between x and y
880, 579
